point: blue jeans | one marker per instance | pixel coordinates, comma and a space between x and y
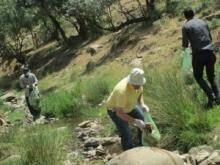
123, 127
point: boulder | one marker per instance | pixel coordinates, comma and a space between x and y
146, 156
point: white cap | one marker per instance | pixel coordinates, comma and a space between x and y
136, 77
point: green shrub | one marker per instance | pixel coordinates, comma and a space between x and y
43, 145
215, 23
5, 83
177, 110
62, 103
95, 90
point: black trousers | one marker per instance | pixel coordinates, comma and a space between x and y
206, 60
34, 113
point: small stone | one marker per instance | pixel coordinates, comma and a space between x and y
84, 124
93, 49
72, 154
92, 142
109, 140
2, 122
90, 154
100, 152
108, 157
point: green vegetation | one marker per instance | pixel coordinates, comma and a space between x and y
183, 122
43, 146
35, 144
62, 103
72, 94
97, 89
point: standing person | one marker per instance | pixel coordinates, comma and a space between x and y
196, 32
28, 81
122, 109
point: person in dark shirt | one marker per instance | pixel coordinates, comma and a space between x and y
196, 32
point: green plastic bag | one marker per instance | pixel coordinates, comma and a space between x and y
150, 139
34, 98
187, 61
187, 72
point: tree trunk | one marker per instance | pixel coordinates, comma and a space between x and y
58, 27
34, 39
54, 21
150, 4
83, 31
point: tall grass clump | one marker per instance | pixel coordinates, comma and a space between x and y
43, 145
62, 103
182, 121
97, 89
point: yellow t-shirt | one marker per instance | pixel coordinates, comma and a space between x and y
124, 96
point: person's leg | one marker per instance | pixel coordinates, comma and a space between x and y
123, 128
138, 114
198, 67
210, 71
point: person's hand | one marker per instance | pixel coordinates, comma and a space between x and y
139, 123
28, 86
148, 128
145, 108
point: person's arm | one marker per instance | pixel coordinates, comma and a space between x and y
120, 113
185, 39
136, 122
144, 107
22, 85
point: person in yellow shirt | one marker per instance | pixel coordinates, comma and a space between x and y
122, 106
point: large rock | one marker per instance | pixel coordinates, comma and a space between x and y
146, 156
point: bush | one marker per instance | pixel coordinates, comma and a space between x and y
5, 83
215, 23
62, 103
43, 145
95, 90
182, 120
176, 7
